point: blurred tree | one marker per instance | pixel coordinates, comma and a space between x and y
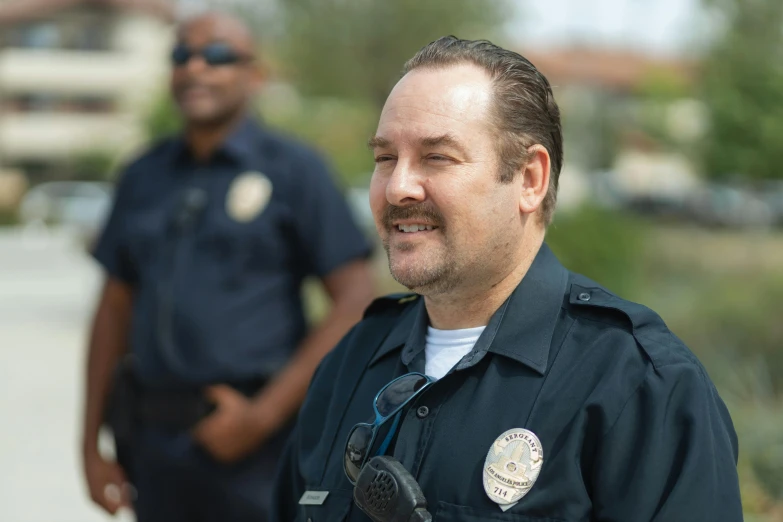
743, 89
92, 165
162, 118
660, 90
604, 245
356, 48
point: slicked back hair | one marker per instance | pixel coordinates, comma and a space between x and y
524, 113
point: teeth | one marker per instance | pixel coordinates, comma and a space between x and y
414, 228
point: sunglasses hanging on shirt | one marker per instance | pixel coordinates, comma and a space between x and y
387, 404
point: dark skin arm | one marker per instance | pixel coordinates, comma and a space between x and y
241, 425
108, 341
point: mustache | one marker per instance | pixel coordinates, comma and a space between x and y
187, 84
421, 211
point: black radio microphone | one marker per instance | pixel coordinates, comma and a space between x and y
193, 202
386, 492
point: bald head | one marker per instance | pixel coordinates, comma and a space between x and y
223, 26
215, 73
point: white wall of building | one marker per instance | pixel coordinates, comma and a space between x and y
131, 73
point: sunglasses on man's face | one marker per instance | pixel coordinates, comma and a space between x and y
388, 403
214, 54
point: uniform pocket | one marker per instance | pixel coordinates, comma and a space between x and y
446, 512
334, 509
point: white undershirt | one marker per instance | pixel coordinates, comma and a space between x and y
445, 348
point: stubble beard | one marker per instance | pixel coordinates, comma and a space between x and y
434, 275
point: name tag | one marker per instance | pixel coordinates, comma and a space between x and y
313, 498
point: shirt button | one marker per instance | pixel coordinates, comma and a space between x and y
584, 296
422, 412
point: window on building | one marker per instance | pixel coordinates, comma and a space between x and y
39, 102
93, 104
93, 36
42, 35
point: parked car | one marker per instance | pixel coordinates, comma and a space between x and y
81, 206
771, 192
726, 206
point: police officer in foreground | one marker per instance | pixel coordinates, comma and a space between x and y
509, 387
204, 252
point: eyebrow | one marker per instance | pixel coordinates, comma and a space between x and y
377, 141
429, 141
443, 139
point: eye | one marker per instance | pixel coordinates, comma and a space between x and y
438, 158
383, 159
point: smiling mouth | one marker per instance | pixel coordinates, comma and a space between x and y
409, 229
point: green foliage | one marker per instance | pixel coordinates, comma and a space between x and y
743, 89
356, 48
603, 245
660, 89
162, 119
93, 165
661, 85
8, 217
339, 128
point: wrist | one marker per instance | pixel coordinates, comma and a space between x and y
90, 442
264, 419
90, 449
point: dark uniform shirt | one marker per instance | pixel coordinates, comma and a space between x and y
217, 287
630, 425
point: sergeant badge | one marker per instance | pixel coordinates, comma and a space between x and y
512, 466
247, 196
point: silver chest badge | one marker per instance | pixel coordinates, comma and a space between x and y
247, 196
512, 466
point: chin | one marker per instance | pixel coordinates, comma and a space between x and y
201, 117
416, 277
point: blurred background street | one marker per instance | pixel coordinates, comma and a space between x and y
671, 194
47, 289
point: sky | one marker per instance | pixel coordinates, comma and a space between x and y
662, 27
659, 27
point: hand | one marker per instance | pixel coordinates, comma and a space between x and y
107, 483
232, 430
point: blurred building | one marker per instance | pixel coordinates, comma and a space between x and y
608, 113
76, 77
601, 93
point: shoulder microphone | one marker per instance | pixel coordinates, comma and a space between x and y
192, 204
386, 492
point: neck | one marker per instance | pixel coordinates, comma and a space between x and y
204, 139
469, 307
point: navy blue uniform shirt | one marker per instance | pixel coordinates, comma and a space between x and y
631, 427
217, 251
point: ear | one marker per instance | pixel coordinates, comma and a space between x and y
535, 179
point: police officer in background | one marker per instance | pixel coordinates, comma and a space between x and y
205, 251
509, 387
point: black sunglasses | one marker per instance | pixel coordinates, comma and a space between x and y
214, 54
388, 403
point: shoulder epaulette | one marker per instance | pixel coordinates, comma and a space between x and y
390, 303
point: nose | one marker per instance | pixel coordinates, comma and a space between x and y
404, 186
195, 65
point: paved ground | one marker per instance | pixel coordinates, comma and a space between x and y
47, 291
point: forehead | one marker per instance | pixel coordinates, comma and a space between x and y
453, 100
206, 29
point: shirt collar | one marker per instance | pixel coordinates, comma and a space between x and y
240, 145
521, 329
